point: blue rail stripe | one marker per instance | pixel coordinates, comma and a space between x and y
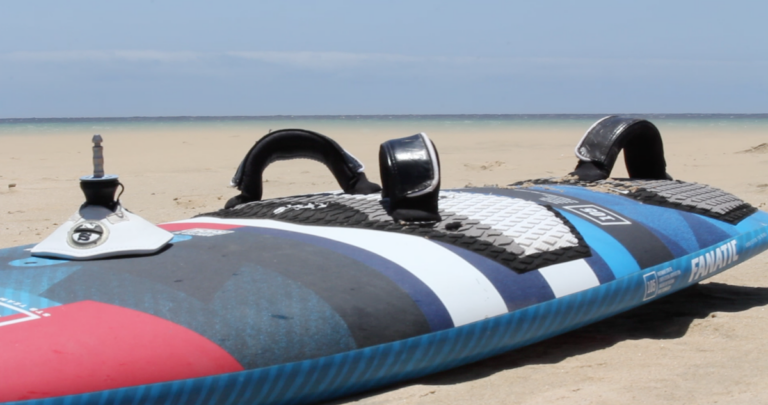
341, 379
356, 374
233, 395
364, 382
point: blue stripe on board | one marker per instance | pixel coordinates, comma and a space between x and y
671, 243
29, 301
435, 312
688, 230
424, 354
44, 274
756, 220
517, 290
600, 267
709, 231
672, 223
617, 257
646, 248
675, 224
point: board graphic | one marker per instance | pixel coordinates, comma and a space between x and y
312, 297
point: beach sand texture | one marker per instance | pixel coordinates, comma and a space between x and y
704, 345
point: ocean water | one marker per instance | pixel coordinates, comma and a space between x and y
400, 125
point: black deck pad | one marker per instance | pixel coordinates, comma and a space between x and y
333, 210
680, 195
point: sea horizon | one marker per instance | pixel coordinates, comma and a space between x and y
377, 117
402, 123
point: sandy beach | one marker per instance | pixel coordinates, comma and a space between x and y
701, 346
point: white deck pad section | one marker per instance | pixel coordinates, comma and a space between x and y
466, 293
532, 226
569, 277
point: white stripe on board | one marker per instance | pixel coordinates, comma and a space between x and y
466, 293
569, 277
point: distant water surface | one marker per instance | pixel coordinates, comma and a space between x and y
399, 124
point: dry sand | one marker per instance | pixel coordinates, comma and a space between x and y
701, 346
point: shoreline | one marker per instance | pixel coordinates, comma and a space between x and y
384, 116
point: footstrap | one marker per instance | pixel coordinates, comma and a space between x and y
641, 141
410, 176
287, 144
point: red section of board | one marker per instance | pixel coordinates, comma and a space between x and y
183, 226
91, 346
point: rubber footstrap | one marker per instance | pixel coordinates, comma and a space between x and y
641, 141
410, 176
287, 144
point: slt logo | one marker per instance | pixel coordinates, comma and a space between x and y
598, 214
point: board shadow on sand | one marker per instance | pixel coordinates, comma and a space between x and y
667, 318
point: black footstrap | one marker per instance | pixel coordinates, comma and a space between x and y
410, 176
641, 141
287, 144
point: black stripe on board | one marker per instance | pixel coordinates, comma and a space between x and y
375, 309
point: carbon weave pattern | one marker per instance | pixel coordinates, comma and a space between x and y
521, 235
690, 197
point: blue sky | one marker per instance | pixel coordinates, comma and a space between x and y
170, 58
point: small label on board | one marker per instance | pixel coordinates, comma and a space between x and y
202, 232
598, 214
87, 235
651, 285
659, 282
